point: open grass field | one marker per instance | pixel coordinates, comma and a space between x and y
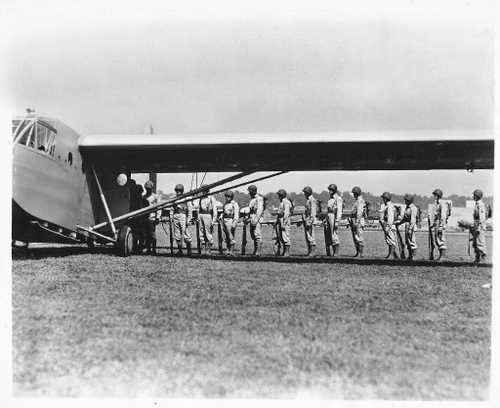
93, 324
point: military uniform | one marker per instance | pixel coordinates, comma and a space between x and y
410, 219
439, 223
207, 213
334, 215
182, 215
230, 215
479, 229
387, 218
284, 221
358, 222
151, 222
310, 218
256, 207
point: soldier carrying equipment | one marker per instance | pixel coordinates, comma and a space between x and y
335, 206
256, 207
357, 221
283, 224
309, 217
387, 218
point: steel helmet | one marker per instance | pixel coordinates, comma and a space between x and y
478, 193
252, 188
409, 197
179, 187
281, 193
386, 195
356, 190
149, 185
229, 193
438, 192
307, 190
332, 187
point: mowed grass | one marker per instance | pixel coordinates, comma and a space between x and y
100, 325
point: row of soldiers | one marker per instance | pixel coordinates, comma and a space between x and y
204, 209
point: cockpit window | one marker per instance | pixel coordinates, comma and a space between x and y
36, 134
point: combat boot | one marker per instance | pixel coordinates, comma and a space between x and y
394, 252
411, 254
360, 250
259, 249
442, 255
286, 250
179, 249
335, 249
153, 247
209, 249
188, 248
312, 250
231, 250
255, 245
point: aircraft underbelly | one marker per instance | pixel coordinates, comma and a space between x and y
46, 189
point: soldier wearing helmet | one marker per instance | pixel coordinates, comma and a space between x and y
439, 211
230, 214
387, 219
284, 221
150, 198
207, 215
309, 218
334, 207
256, 208
410, 217
358, 220
478, 228
182, 216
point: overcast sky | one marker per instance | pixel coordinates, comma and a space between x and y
187, 73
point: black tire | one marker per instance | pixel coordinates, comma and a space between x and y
90, 243
125, 244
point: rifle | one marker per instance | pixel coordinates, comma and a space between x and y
197, 225
402, 254
351, 224
277, 237
305, 230
431, 240
468, 242
170, 233
244, 238
219, 235
327, 234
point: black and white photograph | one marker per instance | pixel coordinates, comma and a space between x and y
242, 201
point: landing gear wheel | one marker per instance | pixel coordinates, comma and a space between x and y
125, 244
90, 243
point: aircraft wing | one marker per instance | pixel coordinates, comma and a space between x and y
414, 150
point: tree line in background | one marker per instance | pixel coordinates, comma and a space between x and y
298, 199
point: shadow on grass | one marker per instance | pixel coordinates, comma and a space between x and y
19, 253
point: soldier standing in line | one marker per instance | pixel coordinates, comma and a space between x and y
387, 219
334, 215
358, 220
410, 220
256, 207
478, 228
230, 214
309, 219
151, 198
182, 216
440, 212
208, 216
284, 221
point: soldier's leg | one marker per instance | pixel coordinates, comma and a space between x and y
178, 231
359, 238
258, 239
480, 243
311, 240
226, 230
187, 236
440, 242
286, 237
391, 241
152, 226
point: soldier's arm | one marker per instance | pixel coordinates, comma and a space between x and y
286, 211
390, 215
482, 213
189, 212
236, 208
359, 212
214, 208
339, 210
260, 207
313, 210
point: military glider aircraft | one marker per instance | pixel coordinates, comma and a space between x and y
65, 185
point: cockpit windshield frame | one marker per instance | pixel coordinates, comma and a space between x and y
36, 134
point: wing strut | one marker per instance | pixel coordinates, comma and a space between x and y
105, 204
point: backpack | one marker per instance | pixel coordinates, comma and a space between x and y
264, 202
449, 206
419, 217
489, 211
292, 205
